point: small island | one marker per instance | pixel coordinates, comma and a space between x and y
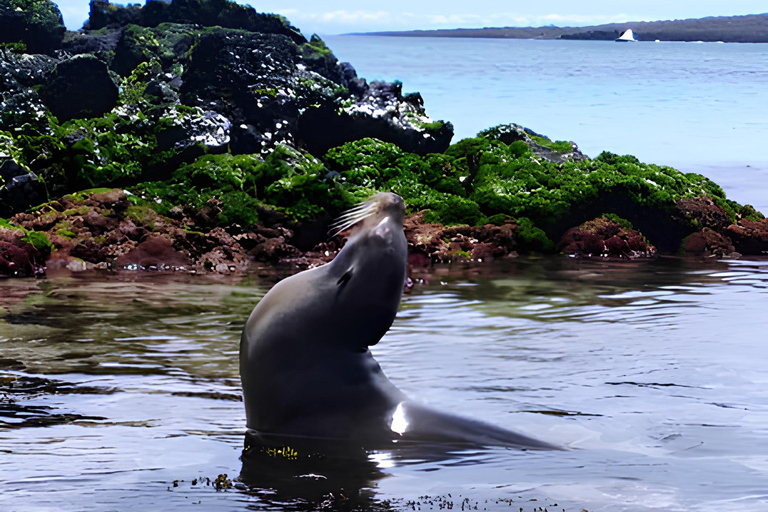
205, 136
728, 29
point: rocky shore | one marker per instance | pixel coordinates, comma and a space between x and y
204, 136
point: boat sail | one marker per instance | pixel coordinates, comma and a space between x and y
628, 35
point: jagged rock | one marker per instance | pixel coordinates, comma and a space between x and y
433, 243
357, 86
18, 257
244, 77
381, 113
155, 253
80, 87
20, 260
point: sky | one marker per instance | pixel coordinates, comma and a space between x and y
326, 17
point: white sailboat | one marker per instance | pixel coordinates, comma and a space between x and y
628, 35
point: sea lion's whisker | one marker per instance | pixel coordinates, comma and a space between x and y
351, 217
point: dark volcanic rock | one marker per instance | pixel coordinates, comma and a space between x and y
19, 75
382, 113
208, 13
80, 87
38, 25
605, 238
100, 44
19, 188
239, 75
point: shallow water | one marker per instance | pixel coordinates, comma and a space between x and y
121, 391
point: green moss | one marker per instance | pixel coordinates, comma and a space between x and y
532, 238
65, 233
559, 146
456, 210
38, 240
624, 223
80, 210
82, 195
434, 126
17, 47
142, 216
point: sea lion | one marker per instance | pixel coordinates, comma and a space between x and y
304, 361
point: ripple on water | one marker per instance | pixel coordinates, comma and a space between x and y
126, 392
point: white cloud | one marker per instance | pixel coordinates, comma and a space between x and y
352, 17
385, 20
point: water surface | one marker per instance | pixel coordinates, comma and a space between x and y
121, 391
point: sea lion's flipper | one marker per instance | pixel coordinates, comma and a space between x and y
420, 423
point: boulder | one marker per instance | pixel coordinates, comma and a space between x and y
80, 87
19, 188
606, 237
749, 236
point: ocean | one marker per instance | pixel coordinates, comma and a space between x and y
698, 107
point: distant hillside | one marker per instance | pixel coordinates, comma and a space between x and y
731, 29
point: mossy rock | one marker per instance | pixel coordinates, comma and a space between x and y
35, 23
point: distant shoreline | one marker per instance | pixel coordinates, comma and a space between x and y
752, 28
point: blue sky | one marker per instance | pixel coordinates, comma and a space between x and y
340, 16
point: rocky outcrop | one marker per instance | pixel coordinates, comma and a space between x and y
749, 236
708, 243
382, 113
430, 243
17, 257
541, 146
606, 237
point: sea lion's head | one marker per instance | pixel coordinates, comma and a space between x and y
370, 270
384, 207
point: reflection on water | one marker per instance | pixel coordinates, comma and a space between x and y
122, 391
